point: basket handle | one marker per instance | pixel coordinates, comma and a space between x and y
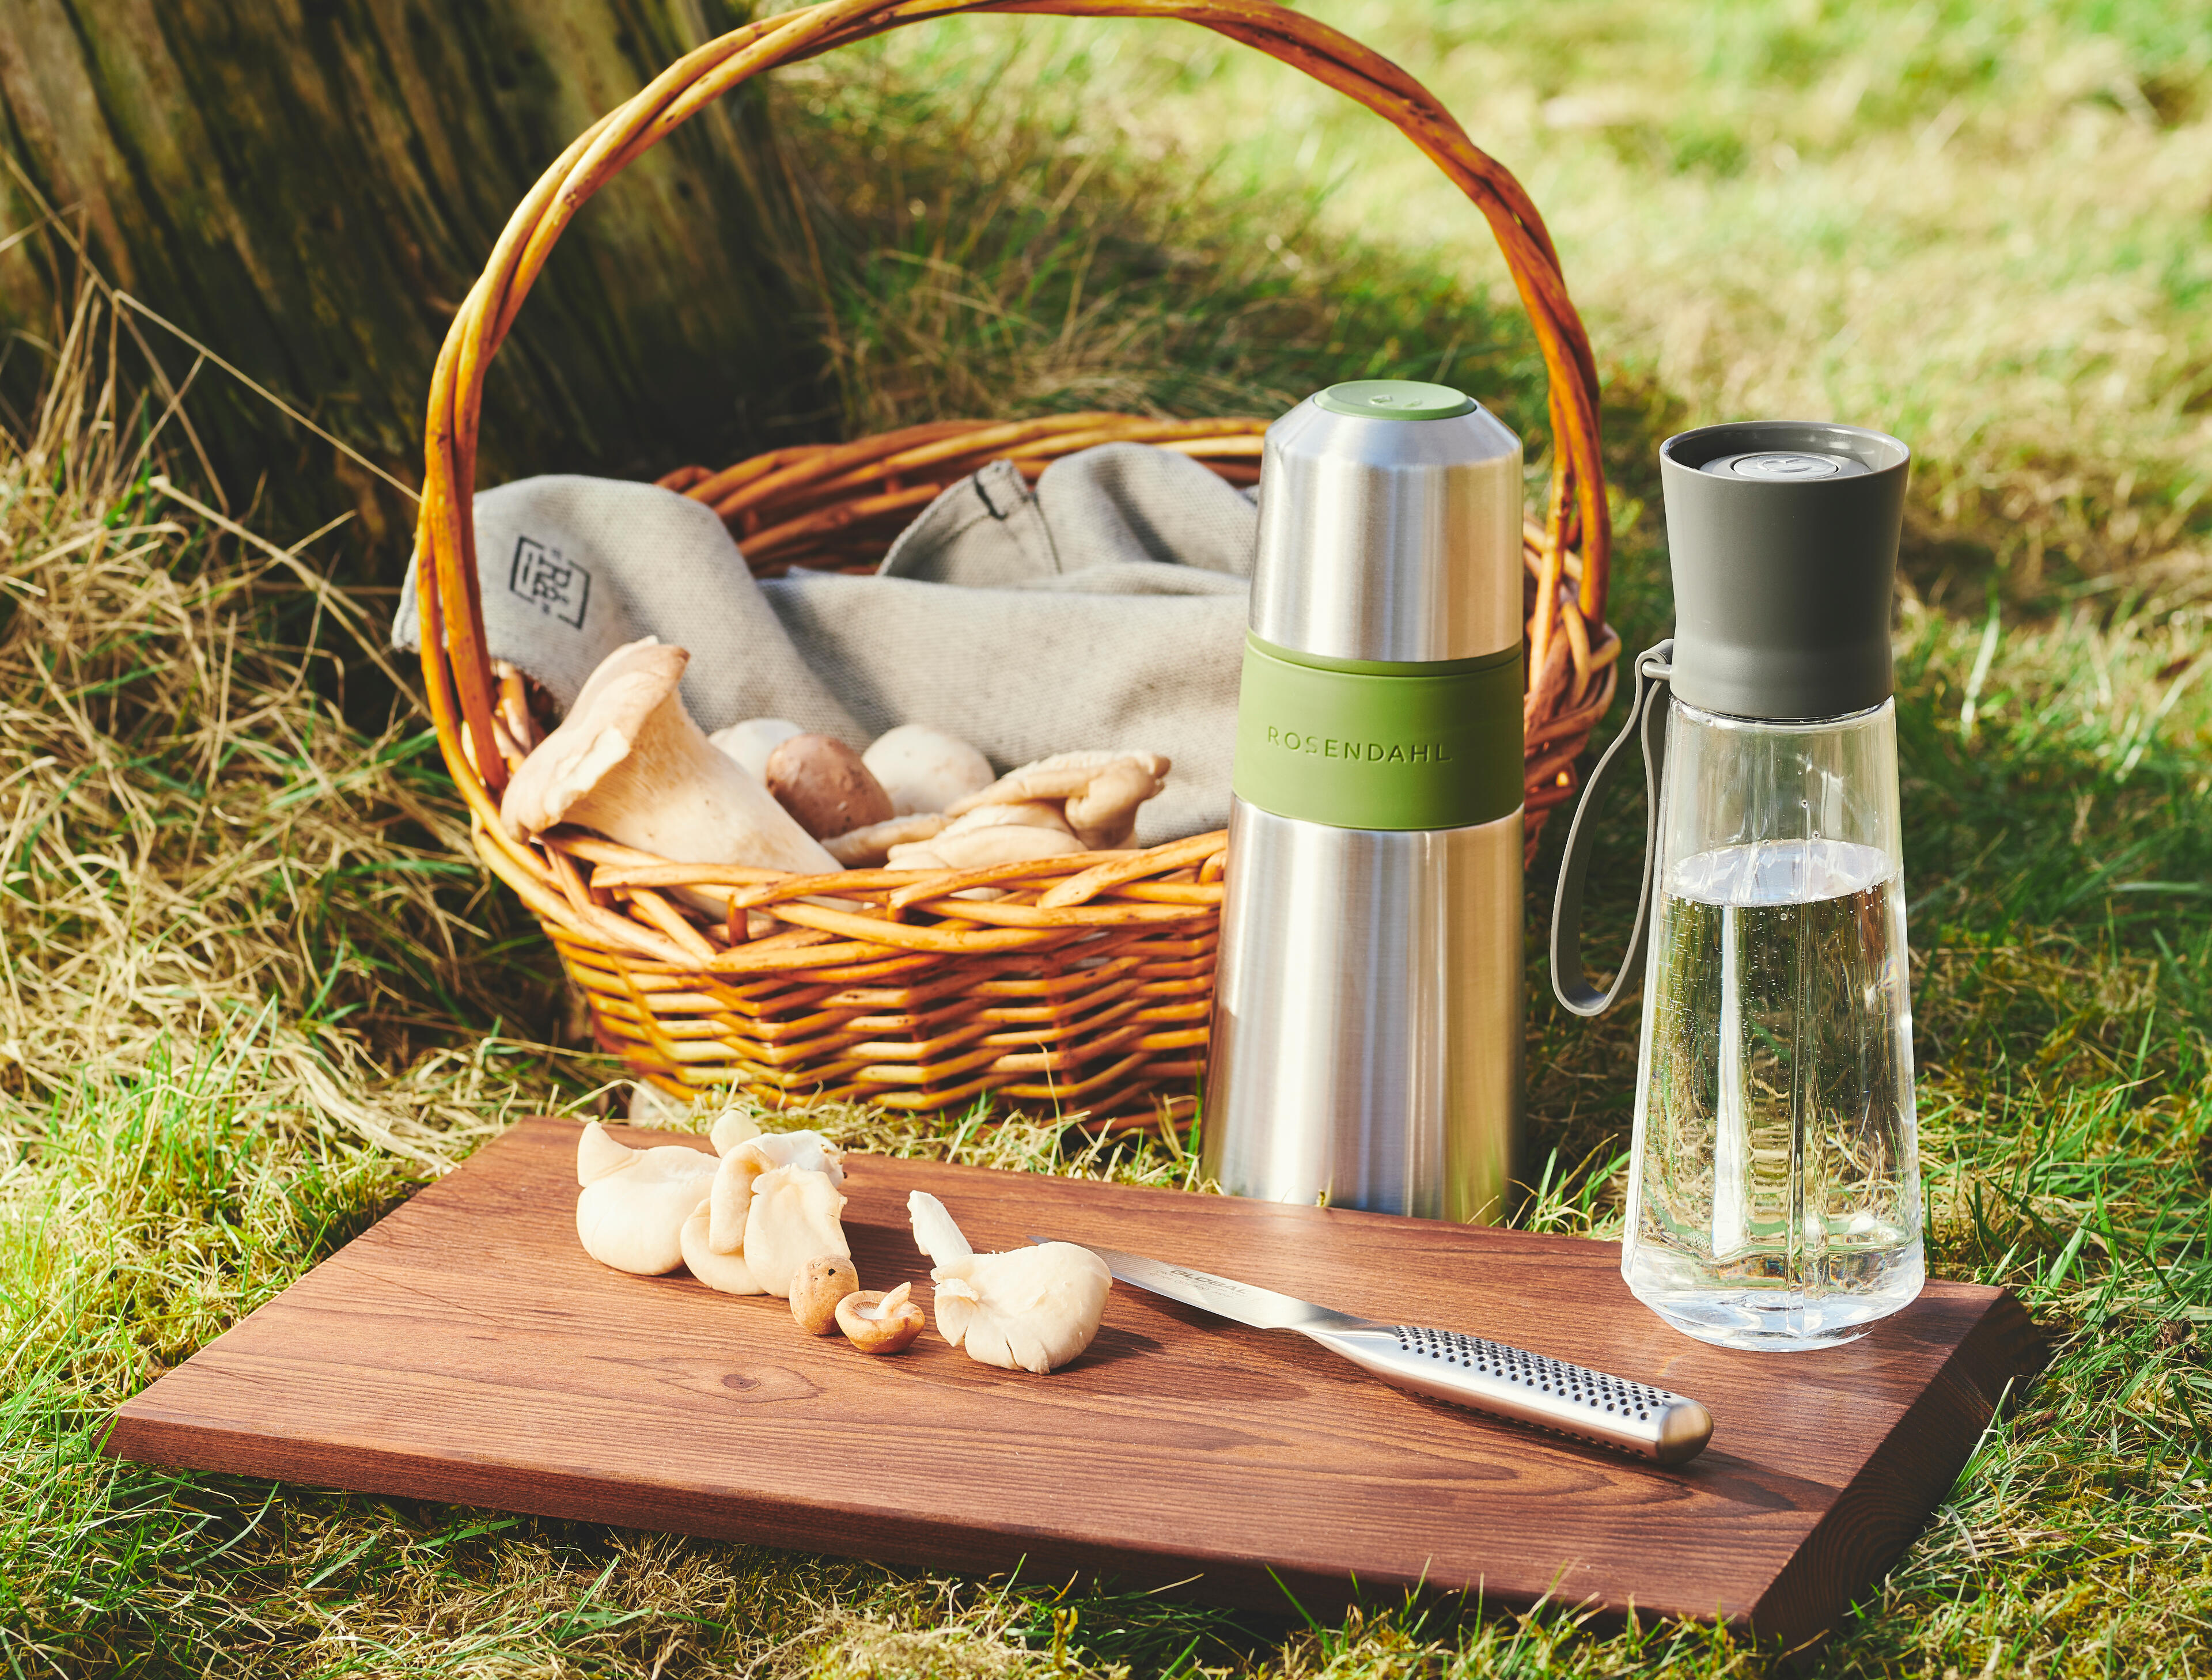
456, 667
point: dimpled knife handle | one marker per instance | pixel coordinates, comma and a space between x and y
1574, 1400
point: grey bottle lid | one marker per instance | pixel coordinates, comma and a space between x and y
1389, 527
1782, 536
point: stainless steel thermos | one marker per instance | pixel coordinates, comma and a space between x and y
1366, 1045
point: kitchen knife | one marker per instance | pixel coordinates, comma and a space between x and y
1468, 1370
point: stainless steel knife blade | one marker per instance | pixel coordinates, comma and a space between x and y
1468, 1371
1247, 1303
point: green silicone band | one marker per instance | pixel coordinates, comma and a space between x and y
1376, 745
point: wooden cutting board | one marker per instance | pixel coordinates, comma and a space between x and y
466, 1349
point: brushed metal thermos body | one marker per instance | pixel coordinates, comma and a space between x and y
1366, 1041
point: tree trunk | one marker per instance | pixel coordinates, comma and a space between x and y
310, 186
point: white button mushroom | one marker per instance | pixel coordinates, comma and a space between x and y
628, 761
925, 769
1031, 1309
750, 742
631, 1211
1101, 791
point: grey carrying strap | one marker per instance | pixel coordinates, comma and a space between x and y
1647, 724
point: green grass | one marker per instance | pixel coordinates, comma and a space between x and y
251, 994
1981, 226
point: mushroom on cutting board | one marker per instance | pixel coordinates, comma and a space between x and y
713, 1235
1029, 1309
1099, 791
818, 1287
733, 1129
727, 1272
743, 1164
794, 1218
925, 769
823, 784
875, 1322
628, 761
631, 1210
750, 742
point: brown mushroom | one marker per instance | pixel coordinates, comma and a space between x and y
821, 1283
875, 1322
823, 784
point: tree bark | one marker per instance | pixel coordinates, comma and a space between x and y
311, 187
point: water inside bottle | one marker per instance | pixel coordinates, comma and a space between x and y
1772, 1201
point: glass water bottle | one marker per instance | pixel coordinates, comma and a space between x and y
1774, 1193
1773, 1188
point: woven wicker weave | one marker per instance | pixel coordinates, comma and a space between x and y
1086, 984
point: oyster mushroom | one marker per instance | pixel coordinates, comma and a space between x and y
631, 1210
925, 769
750, 742
792, 1219
628, 761
733, 1129
731, 1200
1012, 814
1099, 792
1031, 1309
982, 848
867, 848
1012, 832
727, 1272
875, 1322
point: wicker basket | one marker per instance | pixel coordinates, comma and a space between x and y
1086, 983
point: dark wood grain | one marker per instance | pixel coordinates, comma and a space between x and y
466, 1349
311, 189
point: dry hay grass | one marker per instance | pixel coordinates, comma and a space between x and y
198, 848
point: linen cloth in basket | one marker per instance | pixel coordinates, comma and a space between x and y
1104, 608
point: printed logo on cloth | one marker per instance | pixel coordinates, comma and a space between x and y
560, 588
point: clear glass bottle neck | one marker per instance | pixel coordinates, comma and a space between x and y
1734, 782
1727, 720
